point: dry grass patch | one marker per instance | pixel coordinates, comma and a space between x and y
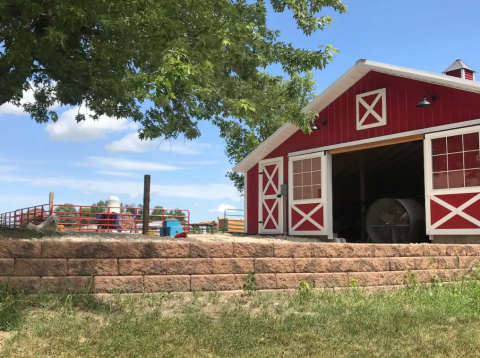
418, 321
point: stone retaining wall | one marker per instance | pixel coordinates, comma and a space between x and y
104, 267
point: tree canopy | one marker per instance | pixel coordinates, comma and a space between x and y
164, 64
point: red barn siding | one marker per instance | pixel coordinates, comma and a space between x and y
402, 116
455, 73
468, 75
252, 200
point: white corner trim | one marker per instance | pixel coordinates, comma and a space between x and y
245, 204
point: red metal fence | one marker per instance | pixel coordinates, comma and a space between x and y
33, 214
96, 218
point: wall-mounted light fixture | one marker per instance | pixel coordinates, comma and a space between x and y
314, 127
424, 103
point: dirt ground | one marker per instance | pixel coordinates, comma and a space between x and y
6, 233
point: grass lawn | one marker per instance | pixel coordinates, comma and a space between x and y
436, 321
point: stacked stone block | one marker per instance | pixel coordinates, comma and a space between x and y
141, 266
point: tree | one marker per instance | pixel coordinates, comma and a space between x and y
241, 139
131, 208
64, 212
176, 214
165, 64
157, 213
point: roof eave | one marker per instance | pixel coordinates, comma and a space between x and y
282, 133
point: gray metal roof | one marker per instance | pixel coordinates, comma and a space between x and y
457, 65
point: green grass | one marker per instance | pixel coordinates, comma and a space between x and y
418, 321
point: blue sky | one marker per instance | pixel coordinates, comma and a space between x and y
83, 163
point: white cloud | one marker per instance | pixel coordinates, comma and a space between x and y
197, 205
7, 168
126, 164
221, 208
9, 108
131, 188
119, 174
131, 143
67, 128
200, 162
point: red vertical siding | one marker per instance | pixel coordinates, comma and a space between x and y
403, 95
252, 200
455, 73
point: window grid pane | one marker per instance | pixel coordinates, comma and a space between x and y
456, 161
307, 179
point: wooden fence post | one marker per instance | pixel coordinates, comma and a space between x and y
50, 203
146, 205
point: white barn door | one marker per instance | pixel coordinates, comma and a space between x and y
270, 211
452, 182
310, 201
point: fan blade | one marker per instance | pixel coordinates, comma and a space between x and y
385, 217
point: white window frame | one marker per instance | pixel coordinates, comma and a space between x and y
382, 118
427, 146
431, 193
326, 199
280, 223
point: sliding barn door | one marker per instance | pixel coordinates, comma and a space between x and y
452, 182
309, 198
270, 201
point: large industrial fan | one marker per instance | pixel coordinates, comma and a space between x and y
396, 221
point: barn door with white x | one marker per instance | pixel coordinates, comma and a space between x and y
309, 195
270, 201
452, 182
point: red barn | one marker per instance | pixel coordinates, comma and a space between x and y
382, 131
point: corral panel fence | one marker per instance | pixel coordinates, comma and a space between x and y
19, 217
96, 218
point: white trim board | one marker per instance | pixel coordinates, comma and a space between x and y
342, 84
381, 118
245, 204
445, 127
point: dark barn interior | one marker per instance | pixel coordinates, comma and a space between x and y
393, 171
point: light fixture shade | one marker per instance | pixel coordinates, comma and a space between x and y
313, 126
424, 103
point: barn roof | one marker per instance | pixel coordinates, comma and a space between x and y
458, 65
336, 89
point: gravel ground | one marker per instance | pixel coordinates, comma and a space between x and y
6, 233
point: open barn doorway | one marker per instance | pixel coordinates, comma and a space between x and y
362, 177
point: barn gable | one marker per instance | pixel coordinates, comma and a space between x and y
361, 78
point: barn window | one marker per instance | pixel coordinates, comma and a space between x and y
456, 161
307, 178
